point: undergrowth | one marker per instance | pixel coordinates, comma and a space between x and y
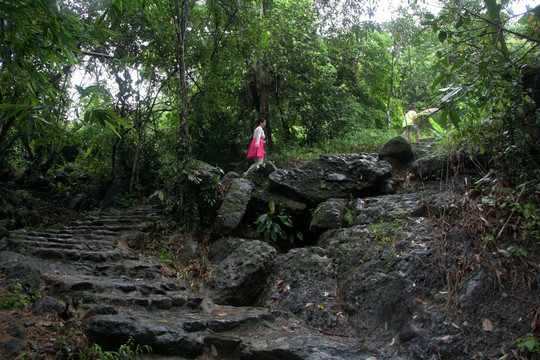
500, 215
366, 140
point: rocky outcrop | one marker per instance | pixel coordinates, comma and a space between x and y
332, 176
87, 266
397, 148
234, 206
242, 276
379, 268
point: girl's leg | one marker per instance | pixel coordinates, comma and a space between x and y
257, 162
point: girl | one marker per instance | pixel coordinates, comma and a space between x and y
256, 149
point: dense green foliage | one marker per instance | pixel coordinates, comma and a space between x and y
133, 91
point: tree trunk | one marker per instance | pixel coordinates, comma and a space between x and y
179, 11
264, 91
388, 119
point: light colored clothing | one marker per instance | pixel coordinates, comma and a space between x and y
258, 134
410, 117
256, 148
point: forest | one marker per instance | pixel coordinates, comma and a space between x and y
156, 100
138, 92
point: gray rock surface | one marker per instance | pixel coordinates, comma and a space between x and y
232, 210
332, 176
241, 277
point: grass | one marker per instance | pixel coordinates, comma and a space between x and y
368, 141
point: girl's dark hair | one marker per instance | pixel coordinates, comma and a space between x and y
261, 120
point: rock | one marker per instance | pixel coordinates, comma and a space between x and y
305, 284
3, 232
474, 289
397, 148
25, 275
222, 248
240, 278
136, 239
112, 331
12, 346
387, 207
48, 304
269, 168
332, 176
83, 297
388, 187
429, 168
189, 252
207, 173
330, 215
232, 210
15, 331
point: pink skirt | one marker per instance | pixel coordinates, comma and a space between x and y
254, 152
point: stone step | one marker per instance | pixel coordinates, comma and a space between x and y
75, 254
35, 243
222, 332
66, 238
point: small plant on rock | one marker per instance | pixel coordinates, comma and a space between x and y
271, 225
17, 299
127, 351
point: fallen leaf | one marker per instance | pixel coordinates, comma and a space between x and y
223, 314
280, 282
371, 358
432, 307
340, 314
321, 306
419, 301
287, 288
447, 337
522, 298
89, 315
487, 325
45, 323
214, 350
308, 305
163, 321
163, 316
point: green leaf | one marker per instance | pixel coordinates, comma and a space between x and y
442, 36
272, 207
438, 80
436, 126
454, 117
444, 118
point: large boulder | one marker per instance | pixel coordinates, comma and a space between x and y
430, 167
232, 210
304, 283
397, 148
332, 176
241, 277
330, 214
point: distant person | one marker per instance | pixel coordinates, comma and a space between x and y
409, 123
256, 149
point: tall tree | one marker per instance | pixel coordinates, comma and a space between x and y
179, 12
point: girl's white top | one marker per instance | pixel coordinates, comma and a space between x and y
258, 135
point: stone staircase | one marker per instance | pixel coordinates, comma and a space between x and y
122, 295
